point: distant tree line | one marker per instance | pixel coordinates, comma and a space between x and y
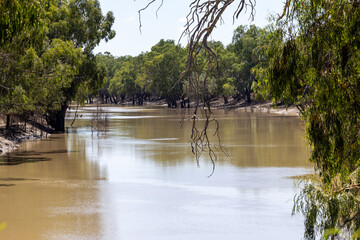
159, 73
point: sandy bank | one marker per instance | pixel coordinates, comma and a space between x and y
234, 105
269, 108
9, 139
266, 107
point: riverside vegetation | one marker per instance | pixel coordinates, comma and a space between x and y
308, 57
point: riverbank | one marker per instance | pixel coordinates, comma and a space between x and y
239, 105
266, 107
9, 138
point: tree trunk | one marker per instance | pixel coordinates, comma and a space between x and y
8, 121
248, 97
114, 99
141, 101
171, 103
226, 100
56, 119
111, 100
90, 100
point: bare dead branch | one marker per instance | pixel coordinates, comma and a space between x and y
157, 11
143, 9
146, 7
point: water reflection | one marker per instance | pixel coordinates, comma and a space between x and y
140, 180
253, 140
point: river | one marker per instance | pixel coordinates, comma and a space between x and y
139, 179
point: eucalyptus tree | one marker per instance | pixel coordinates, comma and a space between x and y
49, 43
123, 82
163, 70
82, 22
226, 81
317, 68
244, 44
142, 82
33, 70
130, 79
18, 16
18, 19
269, 41
113, 65
220, 80
115, 88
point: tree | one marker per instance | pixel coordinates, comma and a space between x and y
247, 44
163, 70
17, 20
123, 83
46, 52
221, 81
18, 16
33, 71
142, 82
82, 22
317, 68
112, 65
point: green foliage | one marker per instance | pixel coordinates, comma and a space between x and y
163, 70
317, 68
222, 71
250, 46
228, 88
116, 85
125, 78
159, 72
155, 73
330, 210
17, 16
46, 52
129, 80
80, 21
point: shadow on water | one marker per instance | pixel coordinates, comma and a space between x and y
17, 179
50, 139
28, 157
13, 180
36, 153
13, 160
25, 153
57, 151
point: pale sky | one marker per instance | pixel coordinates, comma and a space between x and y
169, 23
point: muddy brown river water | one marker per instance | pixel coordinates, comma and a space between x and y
140, 180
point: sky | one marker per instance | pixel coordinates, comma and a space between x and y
169, 23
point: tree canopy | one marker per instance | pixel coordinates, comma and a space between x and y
46, 52
317, 68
